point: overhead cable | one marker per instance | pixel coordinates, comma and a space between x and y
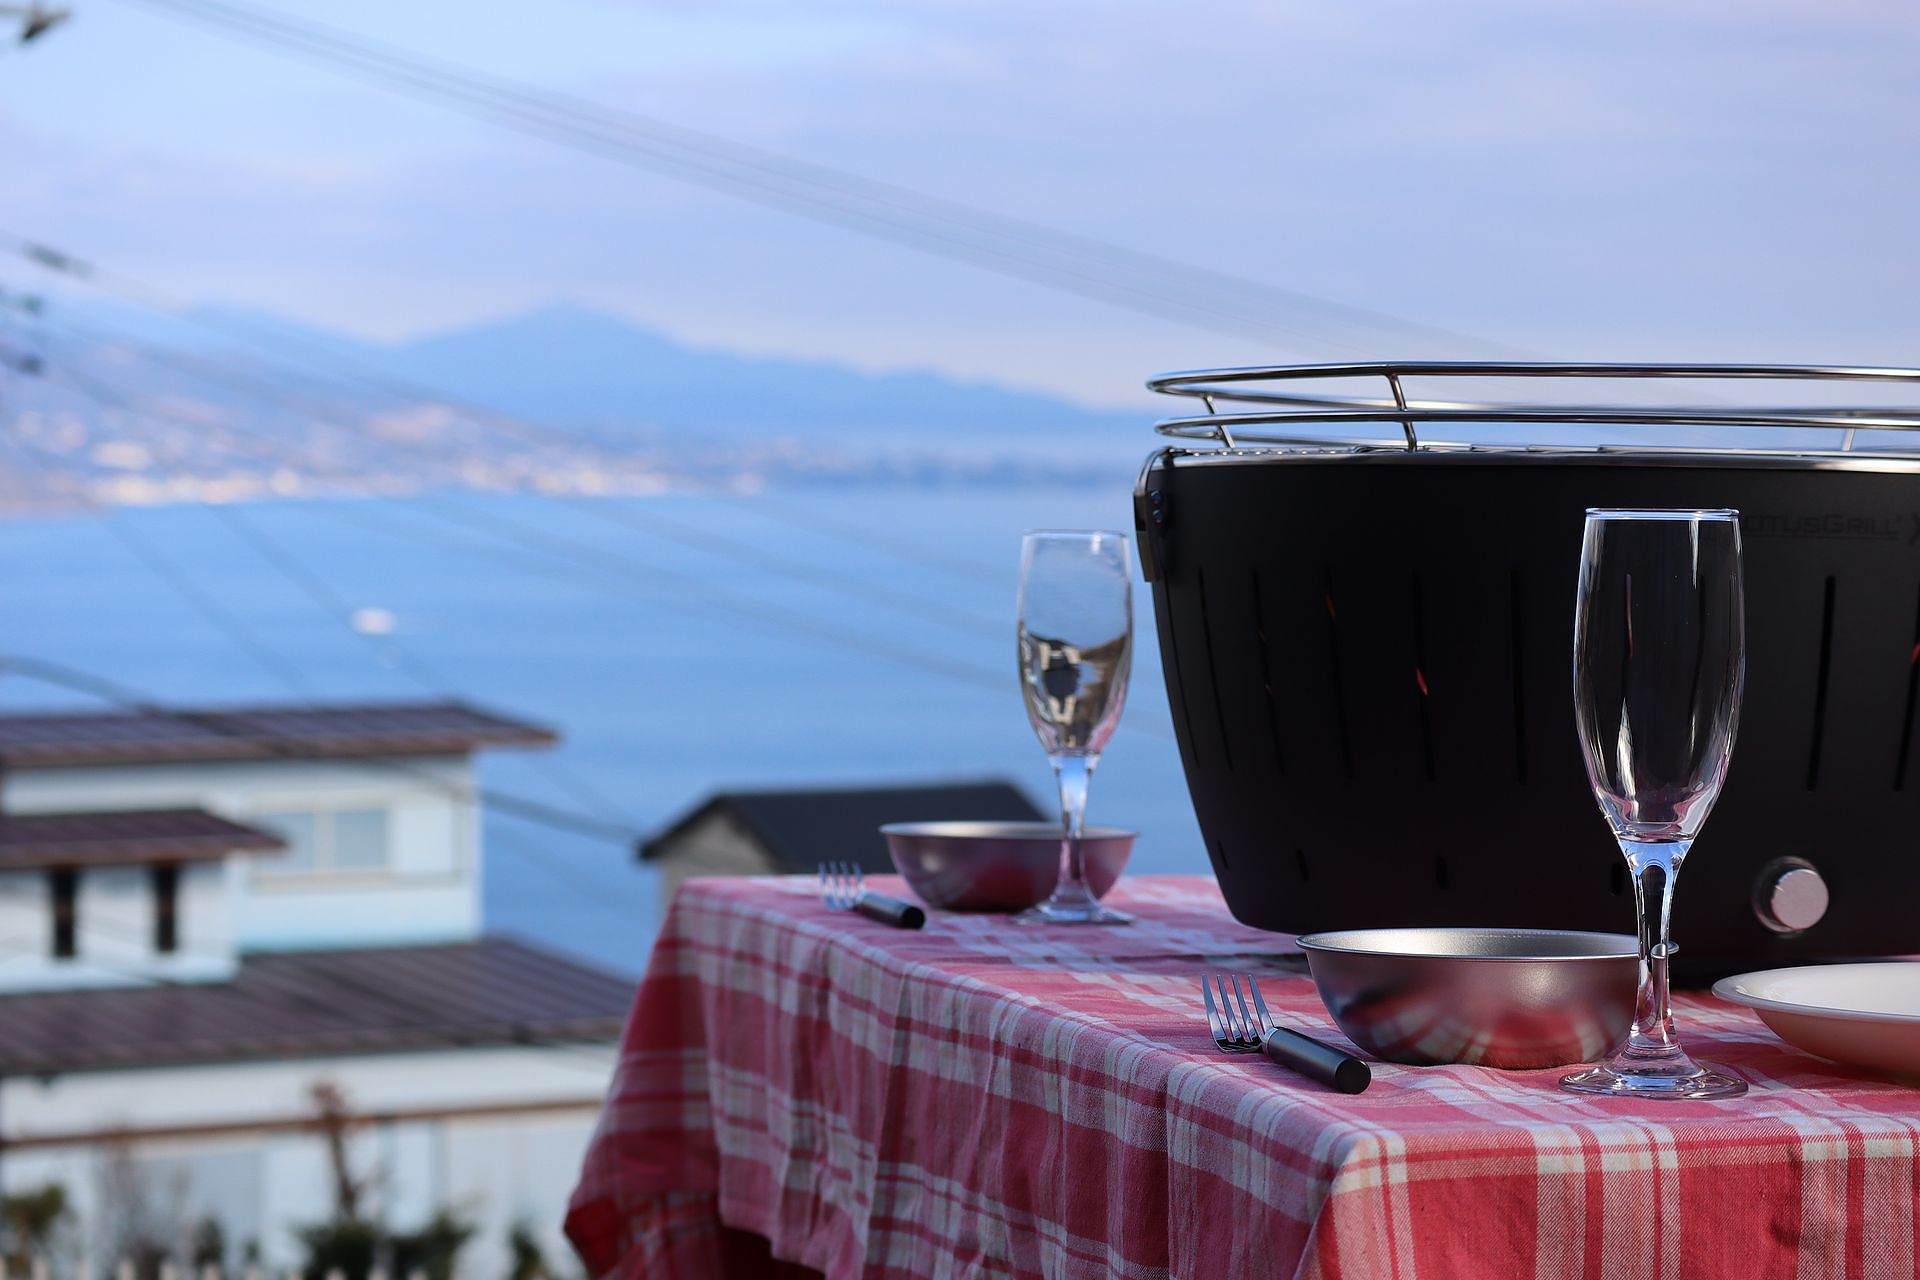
1065, 261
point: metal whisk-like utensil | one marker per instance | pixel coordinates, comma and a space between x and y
1243, 1025
843, 887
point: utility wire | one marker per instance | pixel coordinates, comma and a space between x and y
207, 605
736, 603
328, 600
599, 563
390, 651
630, 516
766, 504
600, 560
334, 365
1068, 262
661, 526
683, 584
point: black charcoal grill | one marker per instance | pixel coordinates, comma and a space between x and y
1367, 647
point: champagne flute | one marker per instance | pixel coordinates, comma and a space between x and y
1658, 664
1076, 652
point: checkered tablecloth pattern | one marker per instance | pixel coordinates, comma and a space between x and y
980, 1099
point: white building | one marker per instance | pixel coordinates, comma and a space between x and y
204, 914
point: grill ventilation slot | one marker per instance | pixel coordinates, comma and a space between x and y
1913, 687
1333, 671
1213, 671
1420, 687
1519, 681
1266, 677
1820, 688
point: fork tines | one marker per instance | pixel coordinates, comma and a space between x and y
1235, 1026
1240, 1022
841, 884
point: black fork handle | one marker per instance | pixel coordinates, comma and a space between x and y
1322, 1062
901, 915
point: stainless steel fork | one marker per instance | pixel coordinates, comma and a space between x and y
841, 884
1240, 1023
843, 887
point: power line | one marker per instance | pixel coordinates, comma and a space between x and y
599, 560
550, 544
387, 649
1064, 261
685, 585
766, 504
207, 605
289, 674
740, 551
646, 521
334, 365
732, 602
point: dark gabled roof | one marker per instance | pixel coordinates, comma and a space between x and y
802, 829
31, 841
371, 1000
44, 739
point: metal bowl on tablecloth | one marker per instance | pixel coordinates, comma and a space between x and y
997, 866
1513, 998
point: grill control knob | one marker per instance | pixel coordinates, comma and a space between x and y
1791, 896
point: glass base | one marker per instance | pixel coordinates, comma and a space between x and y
1053, 911
1692, 1080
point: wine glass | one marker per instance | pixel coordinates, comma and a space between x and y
1076, 652
1658, 664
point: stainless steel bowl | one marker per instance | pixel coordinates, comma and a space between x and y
997, 866
1510, 998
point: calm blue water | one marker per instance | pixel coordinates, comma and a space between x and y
852, 636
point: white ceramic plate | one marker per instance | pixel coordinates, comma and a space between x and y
1864, 1015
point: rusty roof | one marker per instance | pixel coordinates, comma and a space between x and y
29, 841
496, 991
46, 739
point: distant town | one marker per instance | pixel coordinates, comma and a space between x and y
104, 413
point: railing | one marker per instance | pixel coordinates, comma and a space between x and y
1245, 408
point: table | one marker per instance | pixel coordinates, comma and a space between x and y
980, 1099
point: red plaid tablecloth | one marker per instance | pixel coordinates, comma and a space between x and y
985, 1100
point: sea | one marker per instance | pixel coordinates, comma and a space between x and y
681, 644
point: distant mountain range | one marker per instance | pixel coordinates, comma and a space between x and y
573, 366
593, 369
142, 408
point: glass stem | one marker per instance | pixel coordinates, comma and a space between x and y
1074, 774
1654, 865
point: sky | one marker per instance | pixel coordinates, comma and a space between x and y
1676, 180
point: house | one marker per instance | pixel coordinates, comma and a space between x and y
751, 833
206, 913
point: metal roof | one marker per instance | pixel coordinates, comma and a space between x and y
45, 739
495, 991
30, 841
801, 829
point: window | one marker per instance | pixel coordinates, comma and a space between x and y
327, 840
166, 909
64, 888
